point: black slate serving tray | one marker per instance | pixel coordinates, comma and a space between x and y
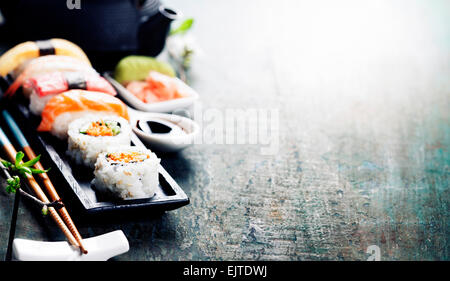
74, 181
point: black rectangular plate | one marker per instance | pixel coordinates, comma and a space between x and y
74, 181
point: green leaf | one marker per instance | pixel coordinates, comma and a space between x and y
6, 163
13, 184
183, 27
44, 210
19, 157
32, 162
37, 171
23, 169
10, 188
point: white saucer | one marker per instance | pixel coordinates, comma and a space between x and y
181, 134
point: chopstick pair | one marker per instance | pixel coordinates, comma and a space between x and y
65, 224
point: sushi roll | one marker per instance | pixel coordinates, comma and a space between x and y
47, 64
90, 136
64, 108
44, 87
127, 172
19, 54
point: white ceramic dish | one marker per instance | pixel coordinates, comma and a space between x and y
182, 130
164, 106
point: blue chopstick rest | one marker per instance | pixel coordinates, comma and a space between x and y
15, 129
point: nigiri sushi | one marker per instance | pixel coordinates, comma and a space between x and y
14, 57
46, 86
68, 106
48, 64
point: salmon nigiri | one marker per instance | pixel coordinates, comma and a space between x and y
48, 64
68, 106
19, 54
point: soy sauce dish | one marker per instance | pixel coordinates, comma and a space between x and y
164, 132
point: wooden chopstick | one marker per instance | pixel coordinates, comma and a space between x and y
45, 178
55, 197
11, 151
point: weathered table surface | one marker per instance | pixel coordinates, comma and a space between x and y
362, 95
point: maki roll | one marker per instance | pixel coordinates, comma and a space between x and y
127, 172
90, 136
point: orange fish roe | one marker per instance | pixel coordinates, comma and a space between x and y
127, 157
97, 129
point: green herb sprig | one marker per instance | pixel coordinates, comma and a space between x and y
13, 184
23, 168
20, 169
183, 27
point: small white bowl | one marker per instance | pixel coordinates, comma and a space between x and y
163, 106
182, 135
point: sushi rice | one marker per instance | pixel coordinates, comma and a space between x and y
127, 172
84, 146
38, 103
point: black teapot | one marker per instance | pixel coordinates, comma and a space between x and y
106, 30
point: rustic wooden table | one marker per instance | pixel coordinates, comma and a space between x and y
359, 153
